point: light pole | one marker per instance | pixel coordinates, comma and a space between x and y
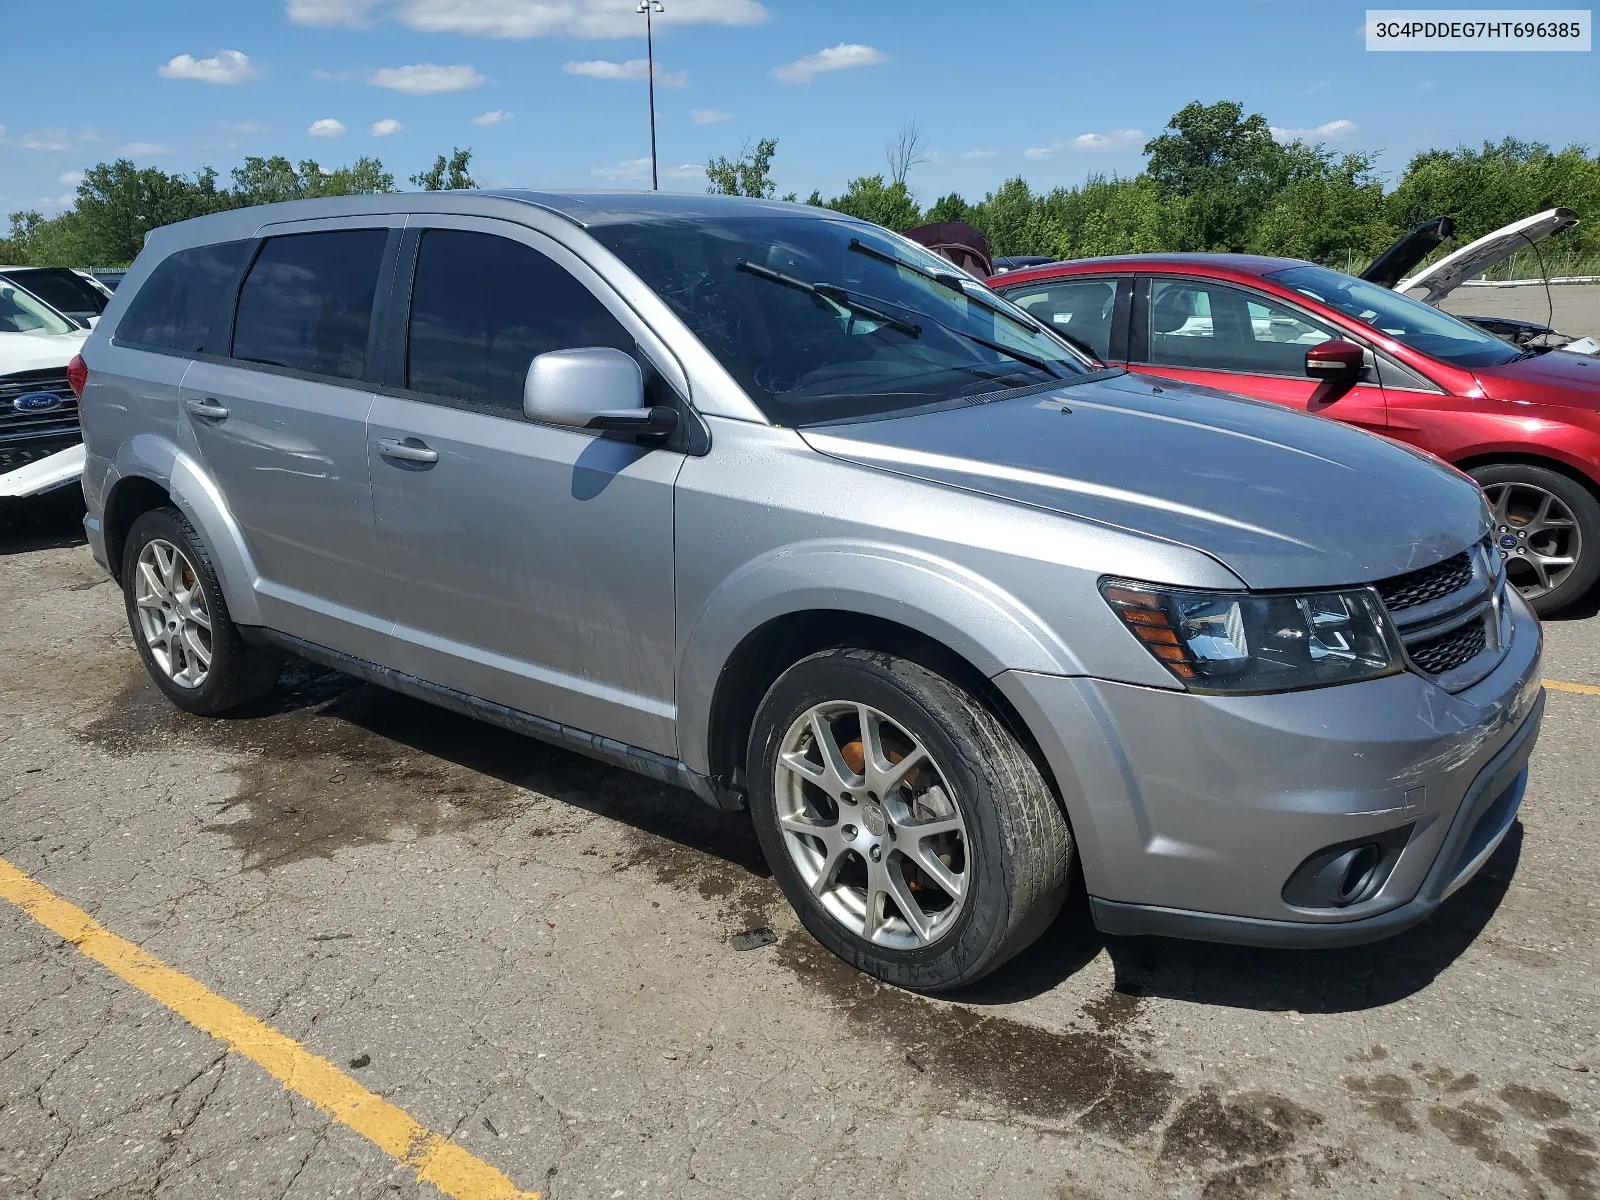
649, 8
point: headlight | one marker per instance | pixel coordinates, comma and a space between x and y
1244, 642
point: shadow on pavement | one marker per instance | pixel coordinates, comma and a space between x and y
49, 522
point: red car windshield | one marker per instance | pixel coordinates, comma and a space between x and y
1410, 322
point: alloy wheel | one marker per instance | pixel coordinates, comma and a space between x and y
1537, 535
172, 612
872, 825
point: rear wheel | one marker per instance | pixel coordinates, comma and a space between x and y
180, 621
1547, 529
914, 836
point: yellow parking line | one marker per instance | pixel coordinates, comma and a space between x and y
434, 1158
1582, 689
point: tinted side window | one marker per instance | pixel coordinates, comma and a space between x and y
1214, 327
482, 307
183, 295
1081, 308
64, 290
307, 302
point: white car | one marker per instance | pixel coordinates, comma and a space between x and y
41, 445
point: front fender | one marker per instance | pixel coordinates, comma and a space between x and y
149, 456
987, 626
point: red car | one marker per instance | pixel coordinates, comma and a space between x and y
1524, 422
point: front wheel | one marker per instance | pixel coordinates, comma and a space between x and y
1547, 529
913, 835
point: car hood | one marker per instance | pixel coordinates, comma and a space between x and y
1407, 250
1284, 500
38, 351
1444, 276
1576, 375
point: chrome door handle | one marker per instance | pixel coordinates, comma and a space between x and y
409, 451
207, 408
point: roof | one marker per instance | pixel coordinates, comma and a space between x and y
1227, 264
604, 208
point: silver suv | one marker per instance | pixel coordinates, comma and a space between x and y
771, 504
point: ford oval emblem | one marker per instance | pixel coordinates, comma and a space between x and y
37, 402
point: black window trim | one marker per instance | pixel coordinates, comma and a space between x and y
693, 436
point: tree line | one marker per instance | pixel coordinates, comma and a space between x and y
1216, 179
118, 203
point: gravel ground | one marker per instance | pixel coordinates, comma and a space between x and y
1573, 308
532, 953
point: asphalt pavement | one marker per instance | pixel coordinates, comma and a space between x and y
537, 961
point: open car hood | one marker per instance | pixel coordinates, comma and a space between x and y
1408, 250
1444, 276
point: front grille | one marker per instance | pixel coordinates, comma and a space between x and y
1429, 583
1444, 653
63, 419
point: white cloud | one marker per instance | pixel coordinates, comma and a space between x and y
1117, 139
245, 127
427, 79
348, 14
493, 117
1425, 86
574, 18
326, 127
46, 139
385, 127
843, 57
634, 70
67, 178
1331, 131
980, 154
144, 150
708, 116
229, 66
637, 170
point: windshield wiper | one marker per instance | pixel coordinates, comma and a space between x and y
949, 280
832, 293
1038, 364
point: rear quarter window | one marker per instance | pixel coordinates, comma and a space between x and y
177, 304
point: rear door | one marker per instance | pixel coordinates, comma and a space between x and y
1090, 309
1240, 340
280, 418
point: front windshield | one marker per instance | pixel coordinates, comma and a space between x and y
879, 339
22, 313
1410, 322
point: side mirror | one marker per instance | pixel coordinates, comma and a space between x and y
1337, 360
597, 387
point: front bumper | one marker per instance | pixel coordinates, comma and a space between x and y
43, 473
1192, 812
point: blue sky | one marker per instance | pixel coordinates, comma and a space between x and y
545, 93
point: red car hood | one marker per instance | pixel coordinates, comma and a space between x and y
1551, 378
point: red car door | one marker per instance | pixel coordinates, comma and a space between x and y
1239, 340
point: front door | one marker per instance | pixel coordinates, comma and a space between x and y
1240, 340
281, 425
529, 565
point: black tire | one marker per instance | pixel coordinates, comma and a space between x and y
238, 672
1585, 509
1018, 849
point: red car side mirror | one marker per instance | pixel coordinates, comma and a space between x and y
1335, 359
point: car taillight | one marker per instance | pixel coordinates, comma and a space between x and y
77, 374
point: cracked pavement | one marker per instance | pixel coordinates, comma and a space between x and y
530, 953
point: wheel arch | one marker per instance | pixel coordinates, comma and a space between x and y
1561, 466
770, 649
150, 472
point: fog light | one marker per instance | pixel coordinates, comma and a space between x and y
1348, 873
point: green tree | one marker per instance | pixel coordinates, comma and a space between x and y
950, 208
118, 203
1331, 212
889, 205
447, 174
1118, 216
750, 174
1225, 166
